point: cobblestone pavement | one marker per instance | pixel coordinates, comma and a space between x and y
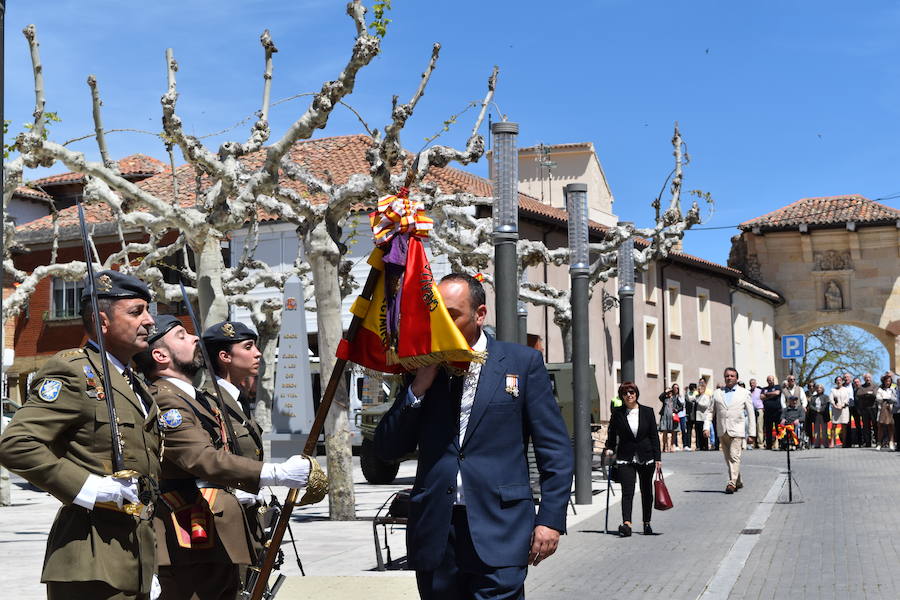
837, 543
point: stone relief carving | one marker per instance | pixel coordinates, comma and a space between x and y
834, 299
832, 260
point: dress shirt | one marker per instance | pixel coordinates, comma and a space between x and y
757, 399
182, 385
470, 386
632, 414
229, 387
729, 393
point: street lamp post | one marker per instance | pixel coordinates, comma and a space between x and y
506, 229
626, 305
579, 265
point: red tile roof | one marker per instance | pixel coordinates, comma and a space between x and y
131, 167
32, 194
824, 212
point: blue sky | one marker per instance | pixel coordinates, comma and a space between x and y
776, 100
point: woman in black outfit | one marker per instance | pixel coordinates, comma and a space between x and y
632, 436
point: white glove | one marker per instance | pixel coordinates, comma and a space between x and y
248, 499
155, 588
292, 473
118, 490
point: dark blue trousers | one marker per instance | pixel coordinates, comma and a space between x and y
463, 576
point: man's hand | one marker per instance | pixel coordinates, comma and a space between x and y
544, 541
706, 433
751, 439
424, 378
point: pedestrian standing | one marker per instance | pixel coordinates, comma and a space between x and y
817, 416
865, 405
679, 416
729, 407
690, 405
896, 415
884, 398
840, 413
854, 434
632, 437
702, 402
756, 398
666, 421
771, 398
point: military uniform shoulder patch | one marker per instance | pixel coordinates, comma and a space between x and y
49, 390
170, 419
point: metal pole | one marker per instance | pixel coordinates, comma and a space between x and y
626, 307
576, 206
523, 323
506, 230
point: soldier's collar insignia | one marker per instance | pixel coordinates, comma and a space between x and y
228, 330
170, 419
49, 390
104, 283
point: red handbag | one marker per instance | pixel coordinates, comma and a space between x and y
662, 500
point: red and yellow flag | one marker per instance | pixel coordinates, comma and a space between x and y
406, 324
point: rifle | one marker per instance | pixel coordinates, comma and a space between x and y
229, 428
257, 578
146, 487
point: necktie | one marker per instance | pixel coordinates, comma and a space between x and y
131, 378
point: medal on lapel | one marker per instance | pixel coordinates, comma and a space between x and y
512, 385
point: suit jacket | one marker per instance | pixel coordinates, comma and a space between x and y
642, 447
491, 459
56, 442
194, 450
730, 419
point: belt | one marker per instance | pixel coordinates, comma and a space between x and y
144, 512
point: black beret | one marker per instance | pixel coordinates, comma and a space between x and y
228, 332
119, 286
163, 325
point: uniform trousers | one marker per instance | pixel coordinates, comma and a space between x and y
462, 574
88, 590
200, 581
731, 450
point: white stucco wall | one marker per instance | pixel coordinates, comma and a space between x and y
753, 324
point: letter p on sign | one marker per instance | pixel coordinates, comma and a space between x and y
793, 346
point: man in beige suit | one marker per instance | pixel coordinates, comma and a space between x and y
730, 408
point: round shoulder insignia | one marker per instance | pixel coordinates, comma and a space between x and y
49, 390
170, 419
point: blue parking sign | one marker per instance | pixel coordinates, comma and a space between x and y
793, 346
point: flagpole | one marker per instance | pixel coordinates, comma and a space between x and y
261, 578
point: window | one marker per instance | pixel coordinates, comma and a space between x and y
651, 346
66, 299
673, 308
675, 371
649, 279
704, 319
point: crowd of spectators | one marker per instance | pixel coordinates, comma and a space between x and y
856, 411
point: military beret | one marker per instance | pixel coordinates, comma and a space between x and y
227, 332
163, 325
119, 286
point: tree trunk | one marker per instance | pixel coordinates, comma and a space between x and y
566, 330
265, 384
210, 265
324, 257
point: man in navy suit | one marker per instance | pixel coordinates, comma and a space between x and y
472, 528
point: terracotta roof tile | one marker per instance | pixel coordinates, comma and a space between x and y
825, 211
133, 166
32, 194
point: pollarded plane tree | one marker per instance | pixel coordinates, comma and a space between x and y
198, 205
467, 240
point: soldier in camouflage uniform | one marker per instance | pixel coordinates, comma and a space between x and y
101, 545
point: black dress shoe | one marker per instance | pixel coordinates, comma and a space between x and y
624, 530
729, 489
647, 529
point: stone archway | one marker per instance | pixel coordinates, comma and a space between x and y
834, 261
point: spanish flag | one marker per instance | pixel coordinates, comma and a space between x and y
405, 325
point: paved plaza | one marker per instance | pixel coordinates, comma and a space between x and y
837, 542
